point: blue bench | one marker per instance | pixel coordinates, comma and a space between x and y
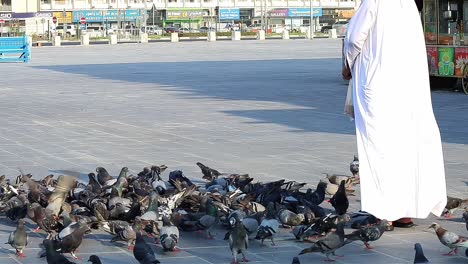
15, 49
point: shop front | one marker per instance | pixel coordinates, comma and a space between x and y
191, 18
16, 24
110, 19
292, 18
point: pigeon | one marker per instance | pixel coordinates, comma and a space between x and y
354, 167
70, 242
104, 177
362, 218
152, 212
368, 233
329, 243
465, 217
318, 195
52, 256
296, 261
419, 254
289, 218
449, 239
238, 240
452, 205
251, 222
208, 173
269, 226
340, 201
169, 236
125, 233
143, 253
336, 179
94, 259
206, 222
19, 239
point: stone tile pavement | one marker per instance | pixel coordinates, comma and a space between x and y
272, 109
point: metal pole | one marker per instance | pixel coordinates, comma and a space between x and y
153, 15
64, 23
311, 32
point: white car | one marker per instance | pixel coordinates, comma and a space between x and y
150, 30
70, 32
341, 27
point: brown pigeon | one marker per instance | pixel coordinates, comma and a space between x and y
449, 239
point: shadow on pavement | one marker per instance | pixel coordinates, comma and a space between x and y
312, 89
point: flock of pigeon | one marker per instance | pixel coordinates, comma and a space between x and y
130, 207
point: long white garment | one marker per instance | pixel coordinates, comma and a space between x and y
400, 151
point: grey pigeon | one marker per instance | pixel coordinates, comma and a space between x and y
19, 239
169, 235
70, 242
269, 226
296, 261
354, 166
152, 213
329, 243
94, 259
419, 254
465, 217
142, 252
449, 239
103, 176
125, 233
52, 256
238, 240
368, 233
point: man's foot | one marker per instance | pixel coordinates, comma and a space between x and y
403, 223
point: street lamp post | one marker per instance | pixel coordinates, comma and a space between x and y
154, 7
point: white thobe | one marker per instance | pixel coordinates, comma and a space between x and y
399, 146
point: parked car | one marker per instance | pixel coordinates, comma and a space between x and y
253, 28
188, 30
341, 27
206, 29
152, 30
171, 30
70, 32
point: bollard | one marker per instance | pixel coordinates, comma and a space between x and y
332, 33
261, 35
285, 34
174, 37
112, 39
85, 39
56, 41
211, 36
143, 38
236, 35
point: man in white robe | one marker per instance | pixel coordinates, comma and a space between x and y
399, 146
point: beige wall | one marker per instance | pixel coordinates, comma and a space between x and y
25, 6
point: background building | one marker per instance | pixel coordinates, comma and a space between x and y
35, 16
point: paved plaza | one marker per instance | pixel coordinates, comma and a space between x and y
273, 109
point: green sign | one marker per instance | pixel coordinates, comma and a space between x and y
446, 61
184, 14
